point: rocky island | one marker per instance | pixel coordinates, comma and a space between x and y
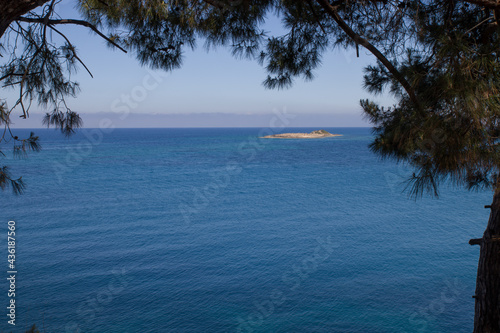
313, 135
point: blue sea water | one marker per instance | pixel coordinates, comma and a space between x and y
216, 230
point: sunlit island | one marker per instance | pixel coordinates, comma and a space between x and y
313, 135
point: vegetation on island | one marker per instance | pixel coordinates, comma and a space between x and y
438, 58
320, 132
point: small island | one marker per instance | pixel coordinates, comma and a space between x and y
313, 135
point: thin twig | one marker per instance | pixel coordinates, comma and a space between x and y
72, 49
70, 21
316, 16
477, 25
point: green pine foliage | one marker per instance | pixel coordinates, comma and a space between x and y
452, 134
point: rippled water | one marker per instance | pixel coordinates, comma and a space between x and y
214, 230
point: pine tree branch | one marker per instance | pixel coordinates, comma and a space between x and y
215, 3
332, 12
309, 2
69, 21
16, 74
492, 4
72, 49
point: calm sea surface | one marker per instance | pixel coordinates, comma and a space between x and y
214, 230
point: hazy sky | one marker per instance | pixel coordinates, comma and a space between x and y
212, 89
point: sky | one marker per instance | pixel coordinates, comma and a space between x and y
211, 89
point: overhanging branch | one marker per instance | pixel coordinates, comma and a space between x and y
69, 21
332, 12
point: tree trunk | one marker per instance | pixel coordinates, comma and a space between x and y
11, 9
487, 309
